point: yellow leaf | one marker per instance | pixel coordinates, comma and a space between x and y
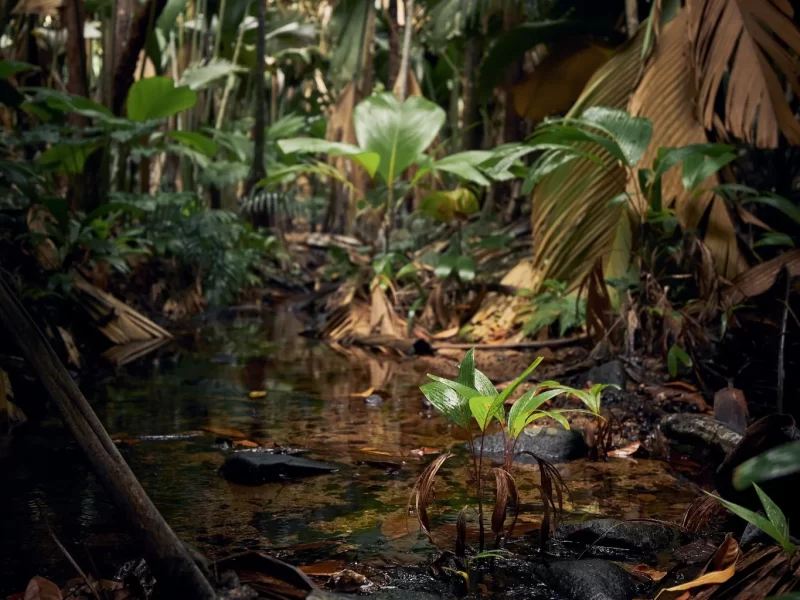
723, 564
257, 394
557, 82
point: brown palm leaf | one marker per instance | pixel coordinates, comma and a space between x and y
422, 493
506, 492
753, 44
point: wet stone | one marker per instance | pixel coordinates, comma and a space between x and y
254, 468
591, 579
697, 552
373, 400
612, 372
701, 431
550, 443
638, 536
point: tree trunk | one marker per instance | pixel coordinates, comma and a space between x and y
472, 123
406, 50
177, 573
76, 48
257, 170
130, 48
631, 16
511, 121
392, 26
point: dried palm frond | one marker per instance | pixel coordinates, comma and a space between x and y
505, 493
741, 52
422, 493
665, 96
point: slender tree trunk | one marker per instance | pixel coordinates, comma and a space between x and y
257, 170
511, 122
76, 48
406, 50
631, 16
178, 575
394, 44
472, 130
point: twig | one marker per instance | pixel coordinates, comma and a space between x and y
72, 560
782, 341
555, 343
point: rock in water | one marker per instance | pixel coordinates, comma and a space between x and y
254, 468
701, 431
639, 536
591, 579
550, 443
612, 372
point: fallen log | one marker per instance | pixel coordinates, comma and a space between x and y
178, 575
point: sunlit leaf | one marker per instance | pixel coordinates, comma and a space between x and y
524, 406
484, 385
448, 402
305, 145
397, 133
446, 206
466, 370
195, 140
484, 409
199, 77
774, 514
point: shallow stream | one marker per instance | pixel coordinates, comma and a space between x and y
174, 414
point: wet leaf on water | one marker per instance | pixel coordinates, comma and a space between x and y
326, 568
245, 443
397, 525
257, 394
40, 588
625, 451
224, 432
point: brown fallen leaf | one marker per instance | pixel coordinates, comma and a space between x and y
663, 393
40, 588
625, 451
326, 568
365, 394
245, 443
649, 572
446, 334
223, 432
722, 565
257, 394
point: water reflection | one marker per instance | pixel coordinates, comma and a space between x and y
311, 402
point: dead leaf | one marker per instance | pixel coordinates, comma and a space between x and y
226, 433
73, 354
40, 588
257, 394
751, 46
730, 407
365, 394
723, 564
398, 524
245, 443
446, 334
625, 451
326, 568
649, 572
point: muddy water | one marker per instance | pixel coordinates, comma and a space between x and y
174, 413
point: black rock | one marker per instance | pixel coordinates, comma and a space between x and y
254, 468
373, 400
550, 443
702, 432
591, 579
639, 536
612, 372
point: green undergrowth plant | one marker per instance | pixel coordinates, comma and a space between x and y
473, 397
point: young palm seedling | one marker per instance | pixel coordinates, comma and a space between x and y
472, 396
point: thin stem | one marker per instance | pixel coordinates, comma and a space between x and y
406, 50
480, 495
231, 76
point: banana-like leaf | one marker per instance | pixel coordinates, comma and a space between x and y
397, 132
199, 77
463, 164
368, 159
158, 98
195, 140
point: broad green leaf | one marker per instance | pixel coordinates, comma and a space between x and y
484, 409
557, 416
9, 68
774, 513
305, 145
466, 268
195, 140
631, 134
525, 406
465, 165
777, 462
561, 135
780, 203
756, 519
484, 385
699, 167
158, 98
448, 402
67, 158
286, 127
466, 370
348, 24
445, 265
200, 76
461, 389
676, 354
397, 132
